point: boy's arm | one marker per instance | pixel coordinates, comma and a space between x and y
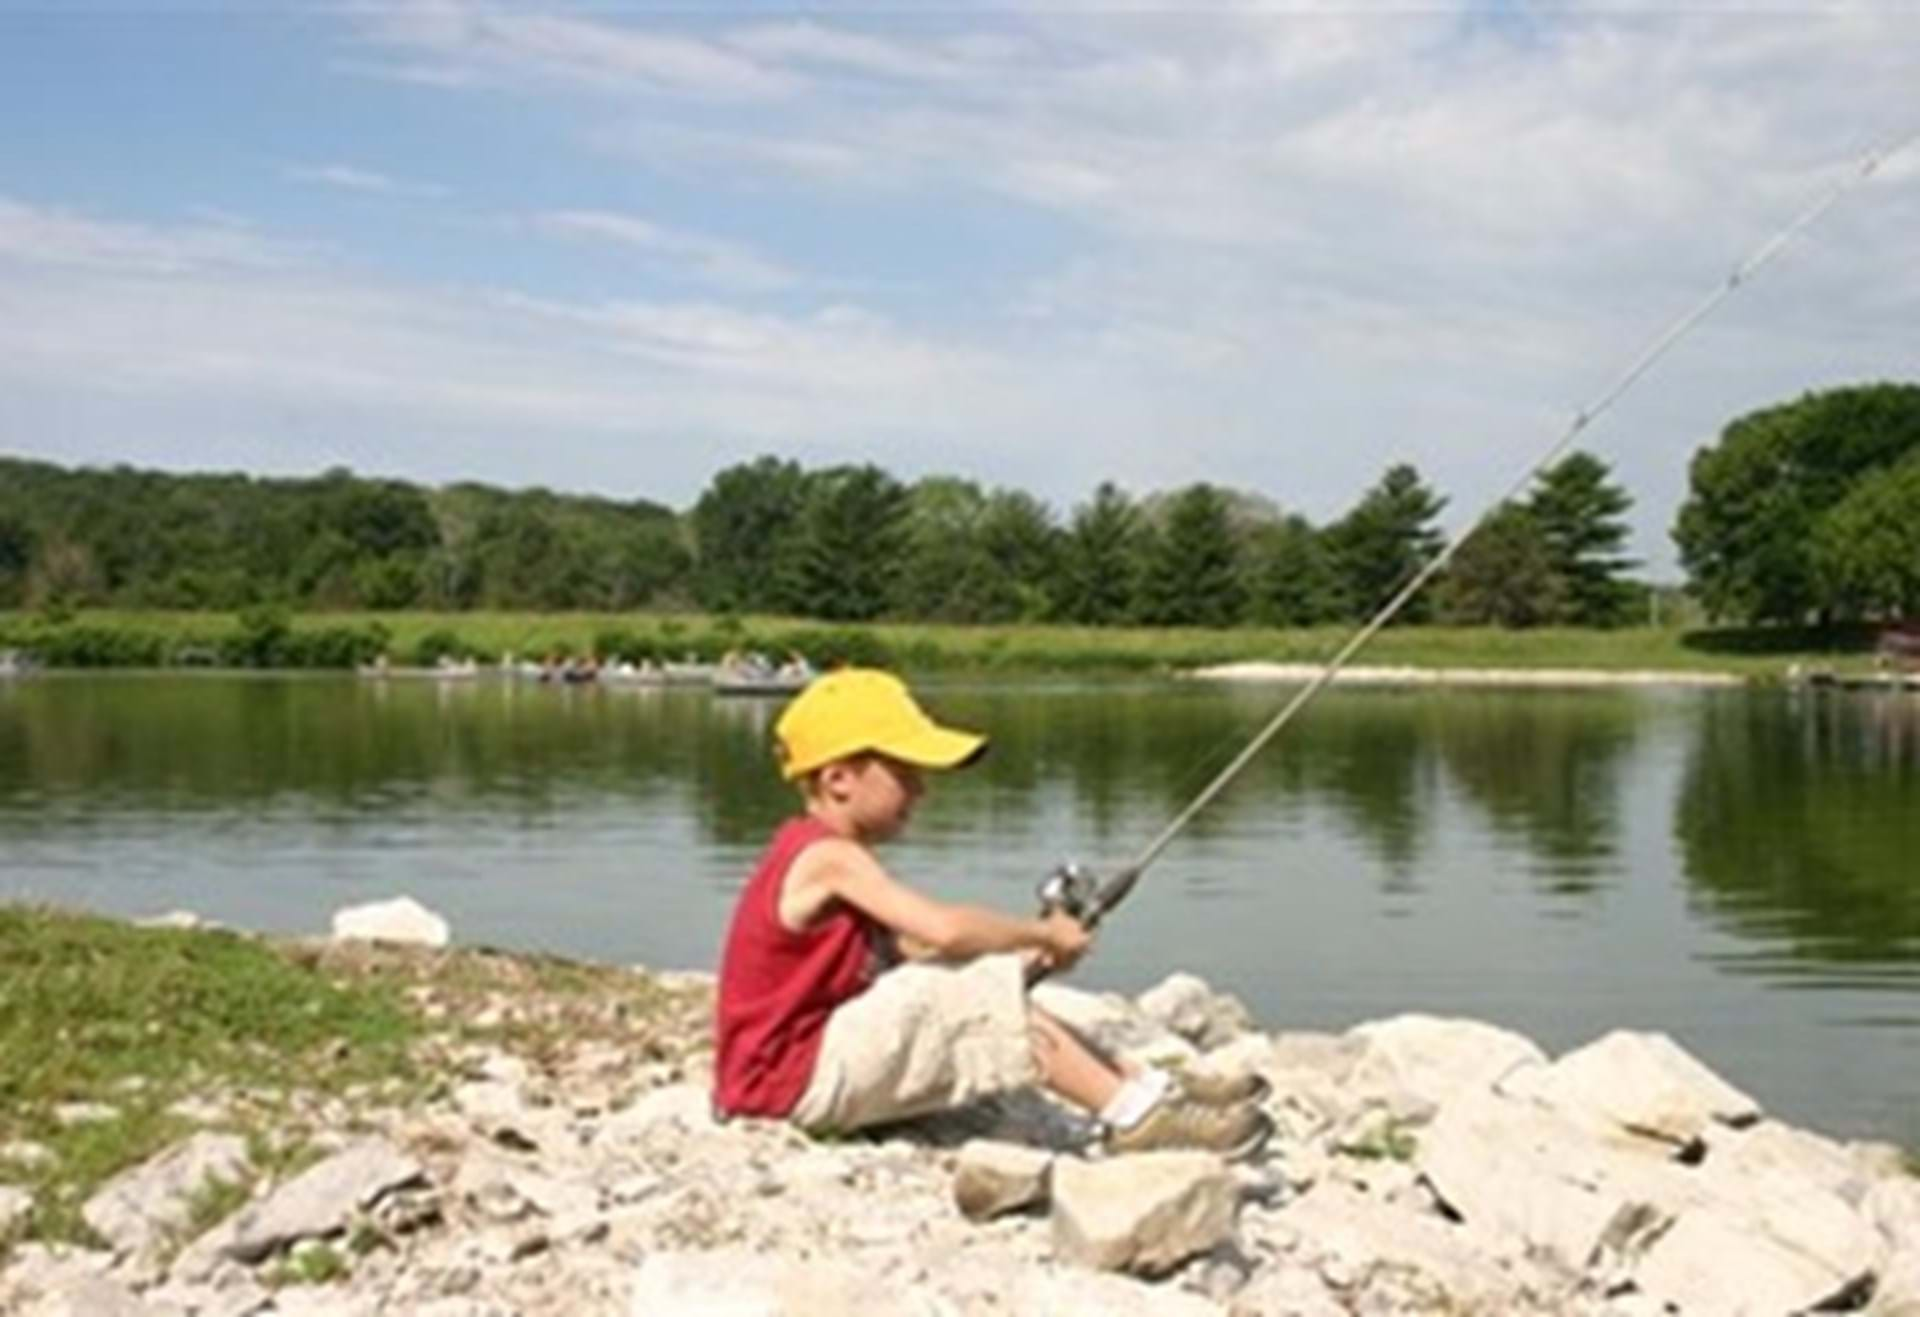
847, 871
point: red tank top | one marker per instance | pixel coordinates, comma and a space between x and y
777, 987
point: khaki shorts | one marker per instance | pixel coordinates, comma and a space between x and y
923, 1038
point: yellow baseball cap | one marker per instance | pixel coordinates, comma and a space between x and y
863, 709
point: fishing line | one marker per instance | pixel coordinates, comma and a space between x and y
1095, 903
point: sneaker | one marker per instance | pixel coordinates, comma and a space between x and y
1212, 1090
1174, 1123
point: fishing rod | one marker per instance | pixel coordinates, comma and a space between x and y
1090, 899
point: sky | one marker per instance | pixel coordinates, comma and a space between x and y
614, 248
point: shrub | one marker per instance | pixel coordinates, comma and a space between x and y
335, 646
620, 643
436, 645
832, 647
260, 641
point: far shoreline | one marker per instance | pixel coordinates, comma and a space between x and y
1410, 675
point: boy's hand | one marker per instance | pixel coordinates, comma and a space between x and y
1066, 939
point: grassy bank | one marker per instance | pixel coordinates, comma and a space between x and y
137, 639
116, 1040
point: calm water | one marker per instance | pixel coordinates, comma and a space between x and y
1740, 870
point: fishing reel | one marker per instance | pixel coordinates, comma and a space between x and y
1071, 890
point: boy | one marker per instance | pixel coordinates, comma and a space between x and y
818, 1023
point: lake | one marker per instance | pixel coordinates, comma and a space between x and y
1738, 869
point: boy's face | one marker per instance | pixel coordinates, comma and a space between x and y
877, 793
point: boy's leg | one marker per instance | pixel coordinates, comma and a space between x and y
1069, 1065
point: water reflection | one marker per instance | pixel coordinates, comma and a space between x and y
1545, 768
1799, 823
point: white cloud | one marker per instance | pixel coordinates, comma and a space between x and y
461, 42
715, 261
351, 178
51, 236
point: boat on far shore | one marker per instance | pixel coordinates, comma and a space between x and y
753, 674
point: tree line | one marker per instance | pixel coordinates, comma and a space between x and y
845, 544
853, 544
149, 539
1807, 511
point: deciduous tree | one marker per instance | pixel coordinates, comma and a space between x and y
1866, 549
1746, 531
1504, 575
741, 529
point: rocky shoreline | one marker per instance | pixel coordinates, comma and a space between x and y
1421, 1165
1407, 675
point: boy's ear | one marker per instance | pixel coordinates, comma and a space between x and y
827, 779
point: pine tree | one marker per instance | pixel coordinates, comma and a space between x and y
846, 553
1378, 546
1099, 560
1289, 578
1577, 512
1192, 575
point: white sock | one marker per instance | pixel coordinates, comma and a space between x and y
1135, 1099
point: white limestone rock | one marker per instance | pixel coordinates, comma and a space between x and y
1523, 1179
1897, 1293
1146, 1213
1345, 1234
1730, 1236
737, 1282
1893, 1206
689, 1106
242, 1297
89, 1296
1773, 1148
1439, 1059
1107, 1020
1327, 1056
994, 1178
70, 1114
183, 920
1294, 1290
1185, 1005
1642, 1082
314, 1204
15, 1205
1727, 1263
1037, 1290
26, 1154
402, 919
146, 1205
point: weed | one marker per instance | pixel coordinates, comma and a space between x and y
364, 1238
1390, 1140
213, 1202
314, 1263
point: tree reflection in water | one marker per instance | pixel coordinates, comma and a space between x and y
1798, 822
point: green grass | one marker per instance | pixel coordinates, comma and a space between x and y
97, 1011
93, 1010
925, 648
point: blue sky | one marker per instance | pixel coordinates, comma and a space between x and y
614, 248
